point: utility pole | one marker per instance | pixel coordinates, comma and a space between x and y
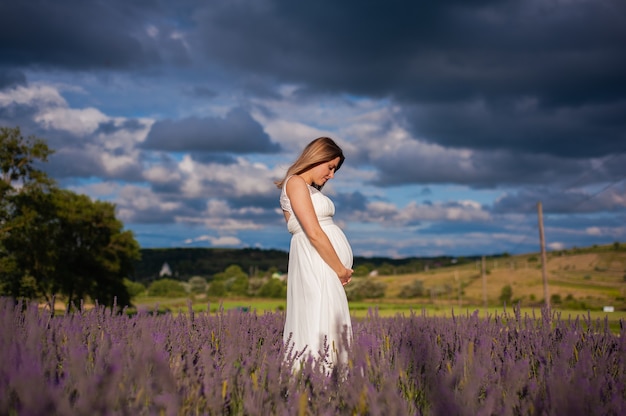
484, 273
542, 242
456, 279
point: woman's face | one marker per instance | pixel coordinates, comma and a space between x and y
323, 172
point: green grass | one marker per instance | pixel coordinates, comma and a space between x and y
360, 310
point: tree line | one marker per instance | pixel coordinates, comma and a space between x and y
54, 241
188, 262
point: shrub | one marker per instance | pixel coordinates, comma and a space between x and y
555, 299
232, 271
197, 284
217, 288
506, 294
413, 290
386, 269
134, 288
274, 288
255, 284
361, 271
238, 285
168, 288
365, 289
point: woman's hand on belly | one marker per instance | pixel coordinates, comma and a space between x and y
346, 276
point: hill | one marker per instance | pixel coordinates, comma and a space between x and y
577, 279
580, 278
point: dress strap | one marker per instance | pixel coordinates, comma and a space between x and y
285, 203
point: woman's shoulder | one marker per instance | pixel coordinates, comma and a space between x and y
295, 181
298, 186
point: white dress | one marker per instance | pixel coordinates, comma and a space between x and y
317, 307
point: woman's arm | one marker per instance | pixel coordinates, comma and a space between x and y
302, 206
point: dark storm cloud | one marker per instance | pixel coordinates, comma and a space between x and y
85, 34
573, 132
536, 76
447, 228
11, 78
431, 51
237, 132
219, 158
201, 92
111, 127
580, 222
17, 115
354, 201
265, 201
154, 215
543, 77
479, 169
610, 198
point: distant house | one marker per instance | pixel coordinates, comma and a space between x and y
165, 270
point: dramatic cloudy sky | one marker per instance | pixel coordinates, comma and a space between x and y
456, 116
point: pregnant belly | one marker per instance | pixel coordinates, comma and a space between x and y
340, 244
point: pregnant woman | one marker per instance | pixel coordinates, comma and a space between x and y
320, 257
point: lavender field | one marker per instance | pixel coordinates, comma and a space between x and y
233, 362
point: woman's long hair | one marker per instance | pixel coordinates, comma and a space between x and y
320, 150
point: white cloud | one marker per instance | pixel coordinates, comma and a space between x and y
161, 174
593, 231
215, 241
133, 202
239, 179
76, 121
117, 163
389, 213
37, 95
556, 246
222, 223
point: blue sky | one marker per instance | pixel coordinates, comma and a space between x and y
456, 117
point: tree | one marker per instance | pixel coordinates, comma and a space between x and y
17, 162
506, 294
70, 245
54, 241
97, 254
27, 247
23, 209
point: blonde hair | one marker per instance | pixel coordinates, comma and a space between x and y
320, 150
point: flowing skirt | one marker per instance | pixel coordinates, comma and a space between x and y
317, 313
